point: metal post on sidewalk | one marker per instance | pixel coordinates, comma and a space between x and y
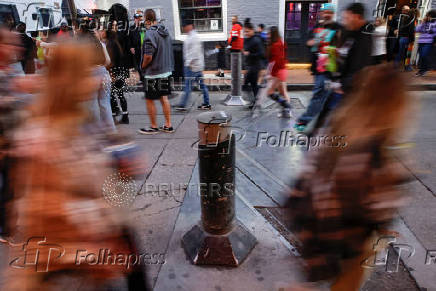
235, 98
220, 238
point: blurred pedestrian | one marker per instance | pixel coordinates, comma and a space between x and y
427, 30
404, 30
255, 54
414, 14
323, 41
60, 204
157, 65
379, 41
263, 34
277, 57
100, 105
9, 44
193, 55
221, 59
348, 190
119, 73
28, 54
353, 55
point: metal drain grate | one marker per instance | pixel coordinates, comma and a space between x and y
296, 104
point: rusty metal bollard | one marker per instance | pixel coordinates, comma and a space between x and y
219, 239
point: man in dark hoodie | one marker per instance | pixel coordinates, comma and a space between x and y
356, 48
157, 65
255, 53
354, 54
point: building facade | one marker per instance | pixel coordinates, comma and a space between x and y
294, 18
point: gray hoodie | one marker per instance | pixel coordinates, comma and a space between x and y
158, 44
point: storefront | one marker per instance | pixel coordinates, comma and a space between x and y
301, 18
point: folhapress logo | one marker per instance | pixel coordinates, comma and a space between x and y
39, 254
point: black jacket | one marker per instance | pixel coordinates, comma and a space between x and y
354, 54
135, 43
405, 25
255, 46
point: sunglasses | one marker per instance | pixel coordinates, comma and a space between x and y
137, 16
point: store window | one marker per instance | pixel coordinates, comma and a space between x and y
206, 15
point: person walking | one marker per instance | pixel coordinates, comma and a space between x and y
353, 55
60, 192
194, 65
405, 32
100, 105
157, 65
254, 53
119, 73
379, 41
221, 58
263, 34
348, 193
427, 30
277, 58
324, 39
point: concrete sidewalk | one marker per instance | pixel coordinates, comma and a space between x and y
262, 176
160, 216
302, 79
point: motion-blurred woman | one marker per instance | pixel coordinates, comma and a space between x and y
347, 189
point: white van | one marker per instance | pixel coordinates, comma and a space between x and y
38, 15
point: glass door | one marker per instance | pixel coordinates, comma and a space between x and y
301, 18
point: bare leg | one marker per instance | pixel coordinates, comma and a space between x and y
273, 87
283, 91
151, 109
166, 110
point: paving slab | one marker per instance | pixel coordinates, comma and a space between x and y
269, 263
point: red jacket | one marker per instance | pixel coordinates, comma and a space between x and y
277, 54
236, 32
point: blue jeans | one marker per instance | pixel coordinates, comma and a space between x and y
317, 101
191, 77
101, 103
424, 51
403, 44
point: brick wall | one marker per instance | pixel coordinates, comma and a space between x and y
260, 11
165, 7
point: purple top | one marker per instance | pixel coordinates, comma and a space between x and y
428, 32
